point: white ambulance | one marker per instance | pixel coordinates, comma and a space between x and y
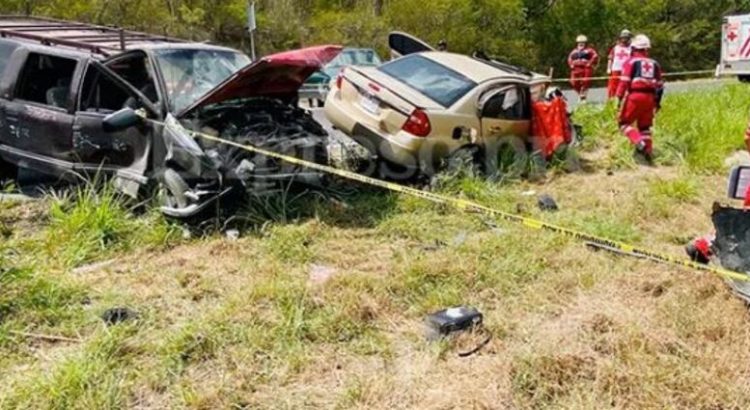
735, 47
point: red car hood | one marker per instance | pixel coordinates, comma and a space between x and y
277, 75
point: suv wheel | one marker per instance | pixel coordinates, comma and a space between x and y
7, 170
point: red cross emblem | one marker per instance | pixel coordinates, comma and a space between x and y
648, 70
732, 36
622, 54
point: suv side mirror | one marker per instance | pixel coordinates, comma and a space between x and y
121, 120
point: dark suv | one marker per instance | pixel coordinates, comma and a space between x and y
73, 97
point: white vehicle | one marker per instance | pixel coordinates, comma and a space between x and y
735, 47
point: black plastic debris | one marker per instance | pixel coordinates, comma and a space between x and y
547, 203
453, 320
118, 315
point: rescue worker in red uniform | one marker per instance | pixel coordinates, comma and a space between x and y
639, 94
618, 55
582, 62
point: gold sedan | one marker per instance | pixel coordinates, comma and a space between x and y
417, 110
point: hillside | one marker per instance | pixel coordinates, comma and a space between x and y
534, 33
320, 304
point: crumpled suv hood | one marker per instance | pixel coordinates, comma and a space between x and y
275, 76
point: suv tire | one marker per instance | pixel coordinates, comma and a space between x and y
7, 170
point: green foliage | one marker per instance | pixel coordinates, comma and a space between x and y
698, 129
703, 128
536, 33
685, 189
93, 221
92, 379
291, 243
32, 299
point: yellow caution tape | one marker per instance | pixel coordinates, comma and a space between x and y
470, 206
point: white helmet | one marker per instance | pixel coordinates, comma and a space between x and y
626, 34
582, 39
552, 93
641, 42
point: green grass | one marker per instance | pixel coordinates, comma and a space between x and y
697, 129
685, 189
93, 222
241, 324
94, 378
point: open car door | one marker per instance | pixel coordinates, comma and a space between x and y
403, 44
505, 110
124, 153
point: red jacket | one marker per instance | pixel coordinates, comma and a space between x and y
641, 74
583, 58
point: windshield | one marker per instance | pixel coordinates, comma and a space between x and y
439, 83
352, 57
190, 74
355, 57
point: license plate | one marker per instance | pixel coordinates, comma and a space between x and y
370, 104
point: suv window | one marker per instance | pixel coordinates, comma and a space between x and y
46, 80
512, 105
436, 81
137, 71
100, 94
6, 49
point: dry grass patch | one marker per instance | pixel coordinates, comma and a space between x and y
326, 309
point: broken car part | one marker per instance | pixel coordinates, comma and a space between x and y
118, 315
547, 203
732, 244
455, 320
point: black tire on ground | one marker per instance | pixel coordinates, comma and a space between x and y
744, 78
273, 126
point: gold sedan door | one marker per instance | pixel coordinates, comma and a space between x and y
505, 115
